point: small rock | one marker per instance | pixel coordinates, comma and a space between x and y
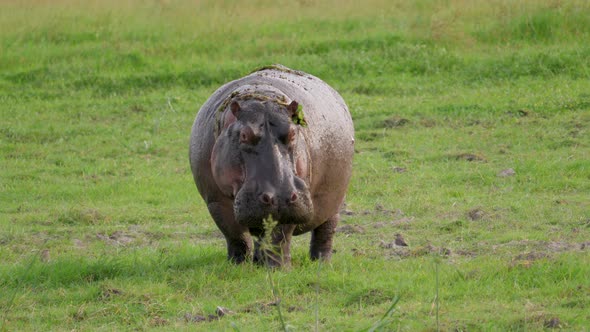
198, 318
357, 252
348, 212
399, 240
476, 214
524, 112
221, 311
398, 169
506, 173
137, 109
470, 157
273, 303
158, 321
519, 113
110, 292
195, 318
445, 251
553, 323
293, 308
45, 257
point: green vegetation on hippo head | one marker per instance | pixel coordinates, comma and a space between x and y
296, 112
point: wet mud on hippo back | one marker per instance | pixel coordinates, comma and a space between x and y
277, 143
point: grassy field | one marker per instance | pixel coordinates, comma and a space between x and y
473, 144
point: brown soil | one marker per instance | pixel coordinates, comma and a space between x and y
394, 122
470, 157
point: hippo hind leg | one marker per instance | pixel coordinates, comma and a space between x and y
237, 237
321, 239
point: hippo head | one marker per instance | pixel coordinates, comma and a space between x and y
253, 163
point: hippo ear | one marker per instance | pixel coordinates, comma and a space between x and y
296, 112
235, 108
292, 108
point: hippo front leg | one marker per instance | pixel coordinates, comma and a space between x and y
278, 251
321, 239
239, 242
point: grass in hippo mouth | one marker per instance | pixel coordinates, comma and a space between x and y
467, 208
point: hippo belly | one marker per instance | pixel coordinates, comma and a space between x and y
277, 143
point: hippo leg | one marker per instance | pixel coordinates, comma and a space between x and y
239, 242
321, 239
279, 253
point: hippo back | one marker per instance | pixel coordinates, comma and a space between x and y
328, 136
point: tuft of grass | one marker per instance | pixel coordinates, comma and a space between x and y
386, 319
269, 252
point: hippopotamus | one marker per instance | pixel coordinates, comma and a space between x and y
275, 145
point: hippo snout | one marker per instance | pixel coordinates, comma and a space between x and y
269, 198
292, 206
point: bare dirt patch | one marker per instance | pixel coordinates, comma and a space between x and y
470, 157
268, 306
158, 321
398, 169
543, 246
397, 218
117, 238
526, 259
476, 214
552, 323
506, 173
350, 229
521, 113
86, 216
397, 249
108, 293
395, 121
219, 312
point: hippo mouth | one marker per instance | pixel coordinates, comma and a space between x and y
251, 207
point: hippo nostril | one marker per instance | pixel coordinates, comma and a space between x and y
267, 198
294, 197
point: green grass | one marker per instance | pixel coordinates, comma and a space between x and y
102, 228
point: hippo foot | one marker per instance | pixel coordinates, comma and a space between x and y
238, 251
321, 239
